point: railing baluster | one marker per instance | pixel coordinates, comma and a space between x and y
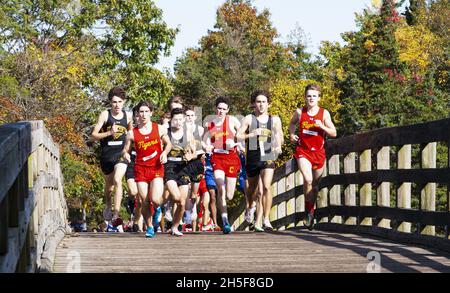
383, 189
279, 211
350, 190
322, 198
365, 192
335, 191
428, 193
300, 199
404, 191
290, 205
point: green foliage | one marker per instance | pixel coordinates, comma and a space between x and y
58, 60
234, 59
379, 88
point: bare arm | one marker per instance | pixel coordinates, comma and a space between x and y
130, 120
206, 139
327, 125
278, 133
293, 125
96, 135
166, 140
127, 147
241, 135
190, 150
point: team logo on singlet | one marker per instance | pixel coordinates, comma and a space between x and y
144, 145
231, 169
220, 134
120, 131
308, 125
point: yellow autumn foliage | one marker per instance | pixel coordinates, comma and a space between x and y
417, 46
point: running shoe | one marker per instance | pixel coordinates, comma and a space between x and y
117, 221
168, 213
250, 214
150, 232
176, 232
247, 216
111, 228
217, 229
226, 229
309, 221
267, 227
135, 228
258, 229
157, 217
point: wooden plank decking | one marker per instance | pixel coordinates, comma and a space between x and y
244, 252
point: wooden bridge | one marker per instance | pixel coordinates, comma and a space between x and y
376, 213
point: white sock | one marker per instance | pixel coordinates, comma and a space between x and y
267, 222
225, 218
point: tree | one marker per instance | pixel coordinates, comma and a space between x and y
378, 83
234, 59
414, 11
58, 60
133, 38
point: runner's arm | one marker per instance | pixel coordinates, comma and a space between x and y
293, 125
279, 138
241, 134
96, 135
328, 125
127, 148
167, 144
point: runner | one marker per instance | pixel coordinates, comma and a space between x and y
135, 203
110, 130
149, 168
176, 174
314, 124
220, 138
264, 138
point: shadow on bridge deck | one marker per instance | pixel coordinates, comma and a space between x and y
294, 251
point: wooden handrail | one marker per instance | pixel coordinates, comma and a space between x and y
33, 210
366, 168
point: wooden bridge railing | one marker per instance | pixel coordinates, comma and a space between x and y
364, 190
33, 211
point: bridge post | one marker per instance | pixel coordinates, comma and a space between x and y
383, 189
335, 191
300, 199
404, 191
365, 192
4, 217
350, 190
277, 211
290, 205
428, 193
322, 198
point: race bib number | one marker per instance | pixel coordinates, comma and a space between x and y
113, 143
150, 157
314, 133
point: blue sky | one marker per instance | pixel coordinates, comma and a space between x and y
320, 20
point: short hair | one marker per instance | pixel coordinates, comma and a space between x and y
314, 87
135, 110
224, 100
174, 99
176, 111
189, 108
257, 93
148, 104
117, 92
